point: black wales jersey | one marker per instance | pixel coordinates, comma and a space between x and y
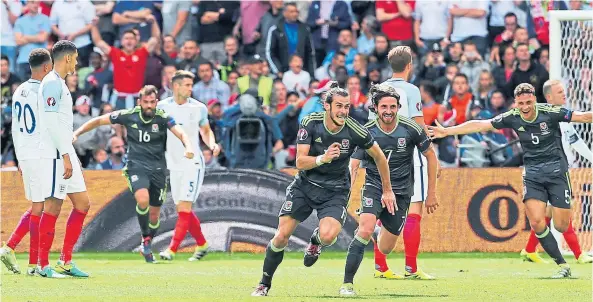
147, 140
398, 146
313, 132
540, 138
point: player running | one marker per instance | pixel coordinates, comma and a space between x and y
545, 176
60, 169
554, 93
398, 137
400, 59
187, 175
146, 170
326, 140
26, 137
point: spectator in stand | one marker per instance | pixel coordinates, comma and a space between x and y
170, 50
431, 25
543, 57
216, 22
175, 19
472, 64
231, 50
215, 118
250, 15
104, 11
360, 70
485, 89
128, 15
497, 104
105, 132
8, 80
116, 152
326, 19
289, 126
470, 23
269, 19
255, 80
434, 64
430, 108
374, 74
99, 82
502, 74
539, 12
210, 161
504, 38
129, 63
459, 104
278, 102
396, 21
99, 156
30, 31
288, 37
366, 42
190, 58
499, 11
315, 102
345, 41
72, 21
357, 97
444, 84
72, 84
154, 67
84, 145
210, 88
528, 71
454, 54
329, 71
232, 81
522, 37
166, 82
296, 79
341, 76
9, 13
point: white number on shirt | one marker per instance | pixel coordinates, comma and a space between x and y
22, 112
534, 139
143, 136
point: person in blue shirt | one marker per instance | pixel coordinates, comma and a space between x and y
30, 31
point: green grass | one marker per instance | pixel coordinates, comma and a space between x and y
232, 277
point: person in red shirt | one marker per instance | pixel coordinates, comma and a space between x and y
396, 20
129, 63
462, 99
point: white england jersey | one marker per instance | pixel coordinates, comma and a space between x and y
411, 107
57, 119
569, 137
190, 115
26, 134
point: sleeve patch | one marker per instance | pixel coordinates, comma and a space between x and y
303, 134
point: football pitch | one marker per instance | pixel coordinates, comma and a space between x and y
232, 277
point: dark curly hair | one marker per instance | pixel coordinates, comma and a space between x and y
334, 89
379, 91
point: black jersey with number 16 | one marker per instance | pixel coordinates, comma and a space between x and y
147, 139
313, 132
540, 138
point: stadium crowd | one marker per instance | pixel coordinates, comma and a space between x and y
468, 57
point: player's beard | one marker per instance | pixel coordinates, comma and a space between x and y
147, 113
388, 119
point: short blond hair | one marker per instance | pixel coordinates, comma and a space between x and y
399, 57
547, 89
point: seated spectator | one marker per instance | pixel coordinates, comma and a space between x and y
231, 50
72, 84
360, 69
502, 74
430, 108
454, 54
296, 79
103, 133
210, 161
477, 146
434, 64
215, 118
232, 82
189, 59
329, 71
256, 80
209, 88
84, 145
522, 37
345, 42
485, 88
497, 104
366, 42
170, 50
289, 125
459, 103
470, 23
374, 74
99, 156
341, 76
176, 20
505, 38
315, 102
31, 31
116, 153
527, 71
128, 15
8, 80
279, 99
543, 58
326, 19
472, 64
379, 55
154, 67
444, 84
166, 81
357, 98
72, 21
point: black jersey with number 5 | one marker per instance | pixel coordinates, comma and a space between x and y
540, 138
147, 139
313, 132
398, 146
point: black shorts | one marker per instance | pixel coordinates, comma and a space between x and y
371, 203
553, 189
302, 198
154, 180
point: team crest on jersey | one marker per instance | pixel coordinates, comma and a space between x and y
51, 101
287, 206
134, 178
543, 126
135, 58
367, 202
345, 144
303, 134
155, 128
24, 93
401, 142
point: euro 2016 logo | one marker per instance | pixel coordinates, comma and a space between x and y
493, 213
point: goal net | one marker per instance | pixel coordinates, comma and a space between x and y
571, 61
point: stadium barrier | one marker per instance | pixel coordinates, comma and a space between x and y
481, 210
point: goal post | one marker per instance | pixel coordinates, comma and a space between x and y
571, 62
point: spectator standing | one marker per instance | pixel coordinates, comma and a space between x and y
128, 15
256, 80
288, 37
278, 102
504, 38
431, 25
499, 10
502, 74
116, 151
528, 71
10, 10
252, 12
104, 10
72, 20
170, 49
366, 42
470, 23
472, 65
190, 58
84, 145
232, 81
269, 19
296, 79
99, 82
444, 84
166, 81
460, 102
30, 31
129, 63
396, 21
497, 103
176, 20
8, 80
154, 67
485, 89
326, 19
345, 40
379, 55
217, 19
329, 71
210, 88
230, 62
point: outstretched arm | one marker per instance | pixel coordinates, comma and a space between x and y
582, 117
92, 124
474, 126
